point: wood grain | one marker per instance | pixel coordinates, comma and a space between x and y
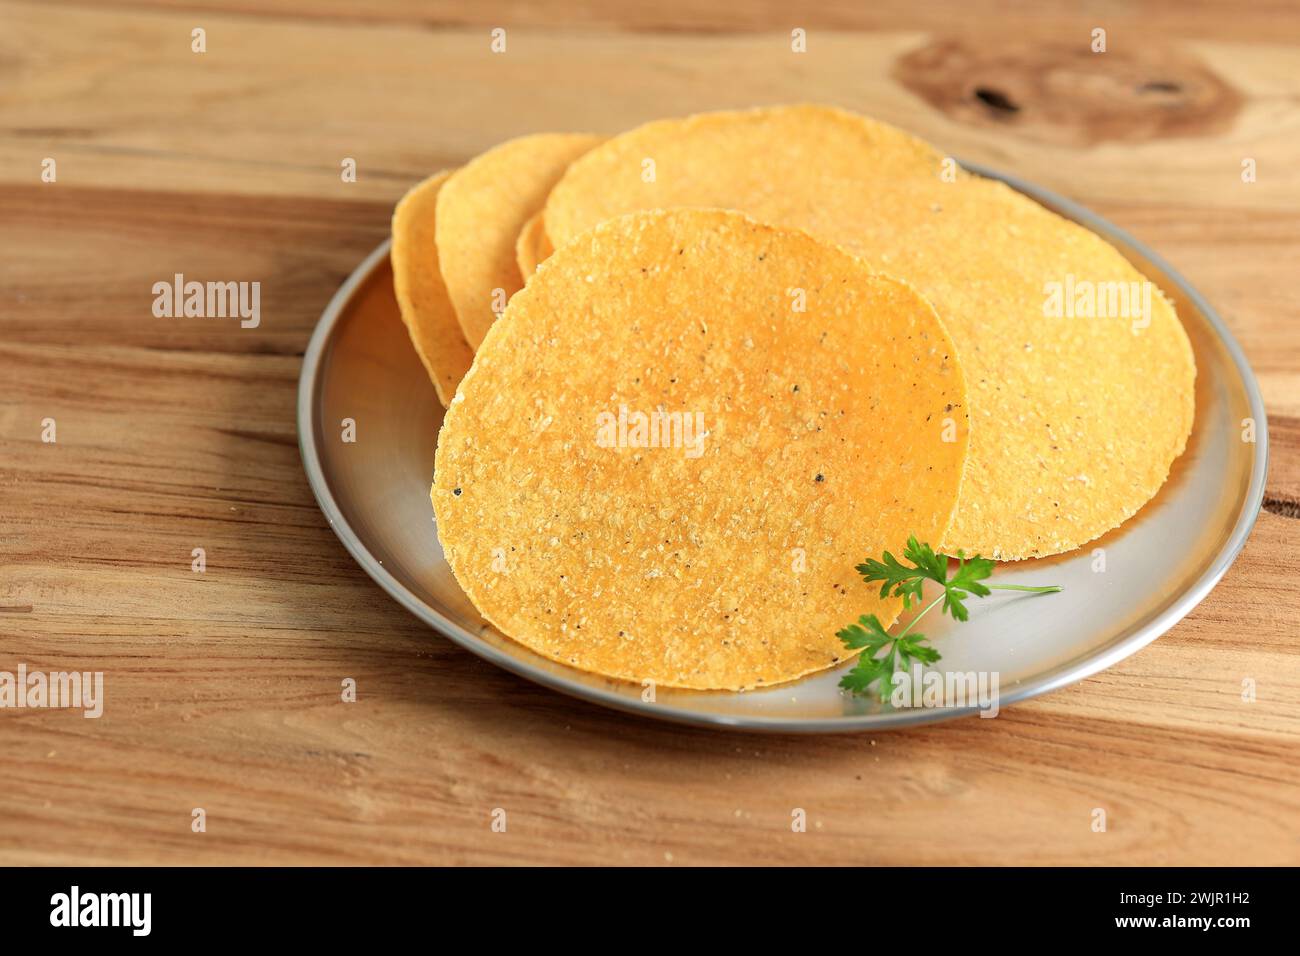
223, 688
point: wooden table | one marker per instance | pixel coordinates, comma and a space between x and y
223, 688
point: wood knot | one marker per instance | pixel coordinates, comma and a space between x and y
1065, 93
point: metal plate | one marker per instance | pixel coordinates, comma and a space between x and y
1159, 565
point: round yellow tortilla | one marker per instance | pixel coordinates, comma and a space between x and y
769, 161
820, 418
421, 295
1077, 414
482, 209
532, 246
1075, 420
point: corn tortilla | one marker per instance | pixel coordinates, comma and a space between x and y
532, 246
1075, 420
482, 209
421, 295
770, 160
823, 435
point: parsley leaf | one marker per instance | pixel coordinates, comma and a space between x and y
908, 582
964, 583
910, 648
866, 633
899, 581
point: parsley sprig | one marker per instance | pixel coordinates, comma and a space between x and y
907, 581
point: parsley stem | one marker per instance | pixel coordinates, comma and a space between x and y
1023, 587
902, 634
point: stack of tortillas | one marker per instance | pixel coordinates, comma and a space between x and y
697, 372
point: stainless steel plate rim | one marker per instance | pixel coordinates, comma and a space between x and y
1137, 637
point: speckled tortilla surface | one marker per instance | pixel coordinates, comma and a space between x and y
421, 295
831, 426
1076, 419
481, 210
